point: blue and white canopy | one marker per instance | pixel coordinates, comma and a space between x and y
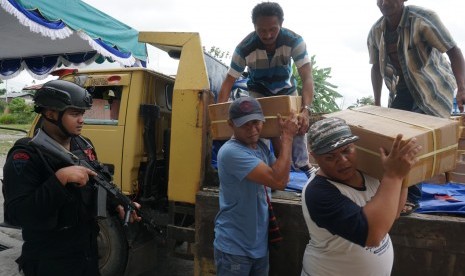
40, 35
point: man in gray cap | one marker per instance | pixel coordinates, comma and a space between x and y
348, 213
247, 170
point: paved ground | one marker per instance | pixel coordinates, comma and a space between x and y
11, 239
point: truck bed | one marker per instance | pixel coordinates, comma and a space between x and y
423, 244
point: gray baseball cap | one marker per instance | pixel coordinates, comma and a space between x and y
245, 109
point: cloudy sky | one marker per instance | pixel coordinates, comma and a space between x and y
335, 31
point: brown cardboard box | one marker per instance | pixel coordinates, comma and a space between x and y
461, 132
378, 126
271, 106
457, 177
100, 110
459, 167
461, 156
439, 179
460, 118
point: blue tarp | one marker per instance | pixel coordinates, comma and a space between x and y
448, 198
297, 181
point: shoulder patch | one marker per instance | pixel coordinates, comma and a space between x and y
20, 159
21, 156
90, 154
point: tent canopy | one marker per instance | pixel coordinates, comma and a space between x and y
40, 35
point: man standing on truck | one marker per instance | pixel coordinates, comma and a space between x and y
406, 47
349, 214
268, 53
247, 170
54, 203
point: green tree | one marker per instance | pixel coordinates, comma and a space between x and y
21, 112
324, 98
363, 101
2, 90
3, 105
217, 53
17, 106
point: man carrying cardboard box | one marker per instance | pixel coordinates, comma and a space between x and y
406, 47
267, 54
348, 213
248, 171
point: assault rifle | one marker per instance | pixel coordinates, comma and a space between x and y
102, 181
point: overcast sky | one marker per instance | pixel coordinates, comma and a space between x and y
335, 31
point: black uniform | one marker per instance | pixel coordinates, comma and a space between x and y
58, 224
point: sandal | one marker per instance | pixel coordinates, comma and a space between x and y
409, 208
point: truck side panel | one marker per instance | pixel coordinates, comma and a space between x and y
285, 260
427, 245
189, 119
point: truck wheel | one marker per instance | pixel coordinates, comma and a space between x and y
112, 247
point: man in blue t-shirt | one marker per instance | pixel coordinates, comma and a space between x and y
247, 171
268, 53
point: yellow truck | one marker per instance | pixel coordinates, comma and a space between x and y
152, 131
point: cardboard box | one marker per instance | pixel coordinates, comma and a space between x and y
439, 179
459, 167
378, 126
461, 156
457, 177
100, 110
271, 106
460, 118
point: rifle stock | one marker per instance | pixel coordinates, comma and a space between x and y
52, 148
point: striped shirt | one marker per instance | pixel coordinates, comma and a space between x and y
270, 74
428, 74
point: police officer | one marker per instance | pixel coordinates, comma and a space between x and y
52, 202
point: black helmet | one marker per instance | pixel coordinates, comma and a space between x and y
60, 95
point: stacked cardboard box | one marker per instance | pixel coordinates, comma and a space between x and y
271, 106
100, 110
378, 126
458, 174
